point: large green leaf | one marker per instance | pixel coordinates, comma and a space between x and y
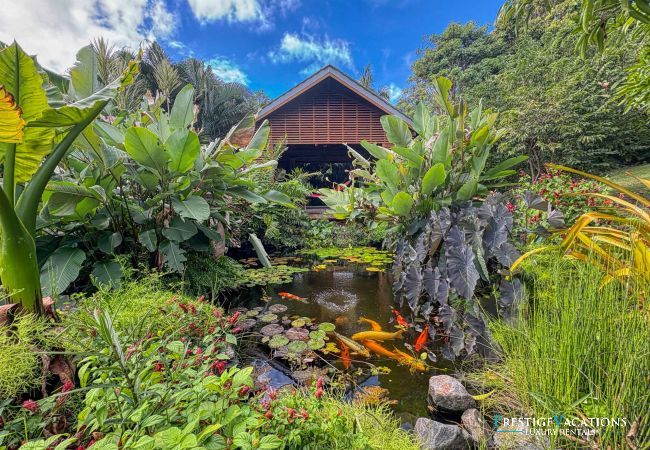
173, 255
107, 274
434, 177
402, 203
21, 78
504, 165
12, 125
148, 239
182, 113
65, 198
468, 190
246, 194
441, 88
183, 148
375, 150
440, 151
193, 207
388, 173
61, 269
108, 241
143, 146
179, 230
278, 197
423, 122
84, 80
397, 131
261, 137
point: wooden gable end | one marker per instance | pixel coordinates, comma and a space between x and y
327, 113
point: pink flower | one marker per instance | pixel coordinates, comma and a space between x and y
31, 405
67, 386
510, 207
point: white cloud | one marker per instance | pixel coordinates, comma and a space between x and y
394, 92
227, 71
55, 30
230, 10
316, 53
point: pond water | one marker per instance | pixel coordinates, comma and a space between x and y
341, 294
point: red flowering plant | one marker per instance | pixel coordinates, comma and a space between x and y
550, 201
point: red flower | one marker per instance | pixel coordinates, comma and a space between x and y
219, 366
234, 317
198, 351
319, 392
272, 393
291, 412
216, 313
67, 386
244, 390
319, 383
269, 415
158, 367
304, 413
31, 405
202, 298
510, 207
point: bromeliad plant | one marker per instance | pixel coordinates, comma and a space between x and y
453, 241
616, 237
38, 126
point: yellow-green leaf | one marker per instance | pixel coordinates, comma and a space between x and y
11, 123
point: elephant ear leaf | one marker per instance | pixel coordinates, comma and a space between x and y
173, 255
61, 269
107, 274
183, 148
84, 76
461, 267
12, 125
194, 207
143, 146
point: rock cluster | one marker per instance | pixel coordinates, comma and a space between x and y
464, 426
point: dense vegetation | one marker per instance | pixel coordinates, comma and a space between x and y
555, 106
139, 205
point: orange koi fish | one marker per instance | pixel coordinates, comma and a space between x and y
345, 354
413, 363
400, 320
422, 338
379, 349
291, 297
373, 325
377, 335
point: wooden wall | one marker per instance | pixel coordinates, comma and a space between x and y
329, 113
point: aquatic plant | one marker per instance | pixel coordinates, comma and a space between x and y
279, 274
360, 255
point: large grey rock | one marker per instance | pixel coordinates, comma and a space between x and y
447, 393
505, 438
439, 436
473, 422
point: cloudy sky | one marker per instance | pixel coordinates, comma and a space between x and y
265, 44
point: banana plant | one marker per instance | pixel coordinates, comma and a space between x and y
29, 158
444, 162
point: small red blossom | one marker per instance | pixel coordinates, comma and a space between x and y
244, 390
272, 393
67, 386
319, 392
219, 366
158, 367
510, 206
304, 414
198, 351
291, 412
269, 414
217, 313
234, 317
319, 383
31, 405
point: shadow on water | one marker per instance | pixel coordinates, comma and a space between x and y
343, 294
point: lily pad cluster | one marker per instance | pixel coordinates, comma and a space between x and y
369, 256
271, 275
277, 260
291, 337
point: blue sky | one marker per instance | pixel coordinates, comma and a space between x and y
266, 44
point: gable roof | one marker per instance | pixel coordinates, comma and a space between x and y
330, 71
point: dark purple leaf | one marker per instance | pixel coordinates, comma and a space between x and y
506, 254
535, 201
460, 264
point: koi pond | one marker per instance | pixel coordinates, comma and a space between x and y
351, 292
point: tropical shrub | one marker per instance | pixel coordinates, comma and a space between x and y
210, 277
551, 201
618, 242
42, 128
152, 191
452, 240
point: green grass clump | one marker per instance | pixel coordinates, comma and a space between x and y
578, 350
139, 308
20, 366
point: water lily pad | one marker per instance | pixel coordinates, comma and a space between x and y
315, 344
327, 327
373, 269
277, 308
298, 323
278, 341
252, 313
246, 324
297, 334
272, 329
318, 334
268, 318
297, 346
